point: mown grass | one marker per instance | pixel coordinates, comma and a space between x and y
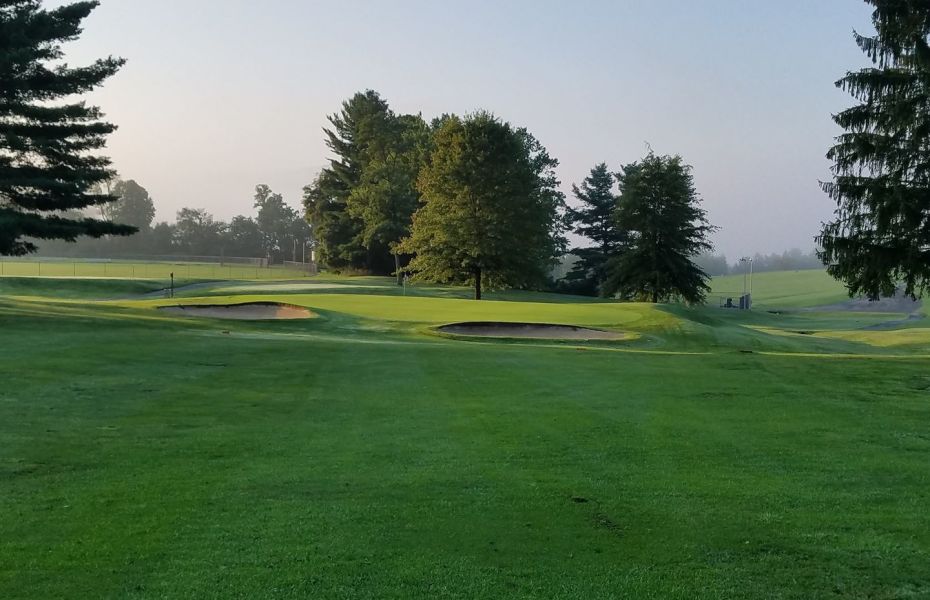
350, 456
78, 268
783, 289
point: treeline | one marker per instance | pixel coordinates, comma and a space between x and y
276, 232
789, 260
475, 200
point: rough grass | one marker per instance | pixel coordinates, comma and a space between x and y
351, 456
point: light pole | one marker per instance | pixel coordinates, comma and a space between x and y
748, 271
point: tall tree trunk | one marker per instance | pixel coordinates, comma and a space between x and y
400, 276
478, 284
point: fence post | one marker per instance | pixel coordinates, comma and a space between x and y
40, 268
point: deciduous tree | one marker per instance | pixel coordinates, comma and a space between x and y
491, 212
387, 196
133, 205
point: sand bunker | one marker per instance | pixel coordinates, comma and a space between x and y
529, 330
251, 311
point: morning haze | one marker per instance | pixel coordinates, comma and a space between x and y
218, 96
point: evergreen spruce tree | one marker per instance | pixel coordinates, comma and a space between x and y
660, 215
594, 219
47, 166
880, 236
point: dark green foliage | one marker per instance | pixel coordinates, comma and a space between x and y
243, 238
386, 196
594, 219
880, 236
491, 212
281, 227
659, 212
196, 232
362, 129
133, 205
47, 165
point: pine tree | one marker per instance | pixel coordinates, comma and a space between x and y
491, 212
880, 236
659, 213
359, 131
594, 219
46, 163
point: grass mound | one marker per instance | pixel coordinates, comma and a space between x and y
544, 331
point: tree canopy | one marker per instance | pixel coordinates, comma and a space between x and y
386, 196
491, 209
133, 205
593, 218
880, 235
280, 225
659, 213
361, 130
48, 166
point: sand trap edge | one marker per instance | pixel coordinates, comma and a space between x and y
242, 311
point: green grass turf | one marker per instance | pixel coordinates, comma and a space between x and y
782, 289
352, 456
138, 270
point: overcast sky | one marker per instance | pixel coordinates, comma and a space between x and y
219, 95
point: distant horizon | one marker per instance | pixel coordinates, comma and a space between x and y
240, 95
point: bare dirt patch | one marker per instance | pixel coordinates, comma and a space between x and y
541, 331
251, 311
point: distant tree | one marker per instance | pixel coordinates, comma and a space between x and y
133, 205
358, 131
197, 233
162, 238
594, 219
712, 264
880, 236
659, 212
789, 260
386, 196
244, 237
47, 140
281, 226
491, 212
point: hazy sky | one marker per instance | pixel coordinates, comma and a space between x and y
220, 95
